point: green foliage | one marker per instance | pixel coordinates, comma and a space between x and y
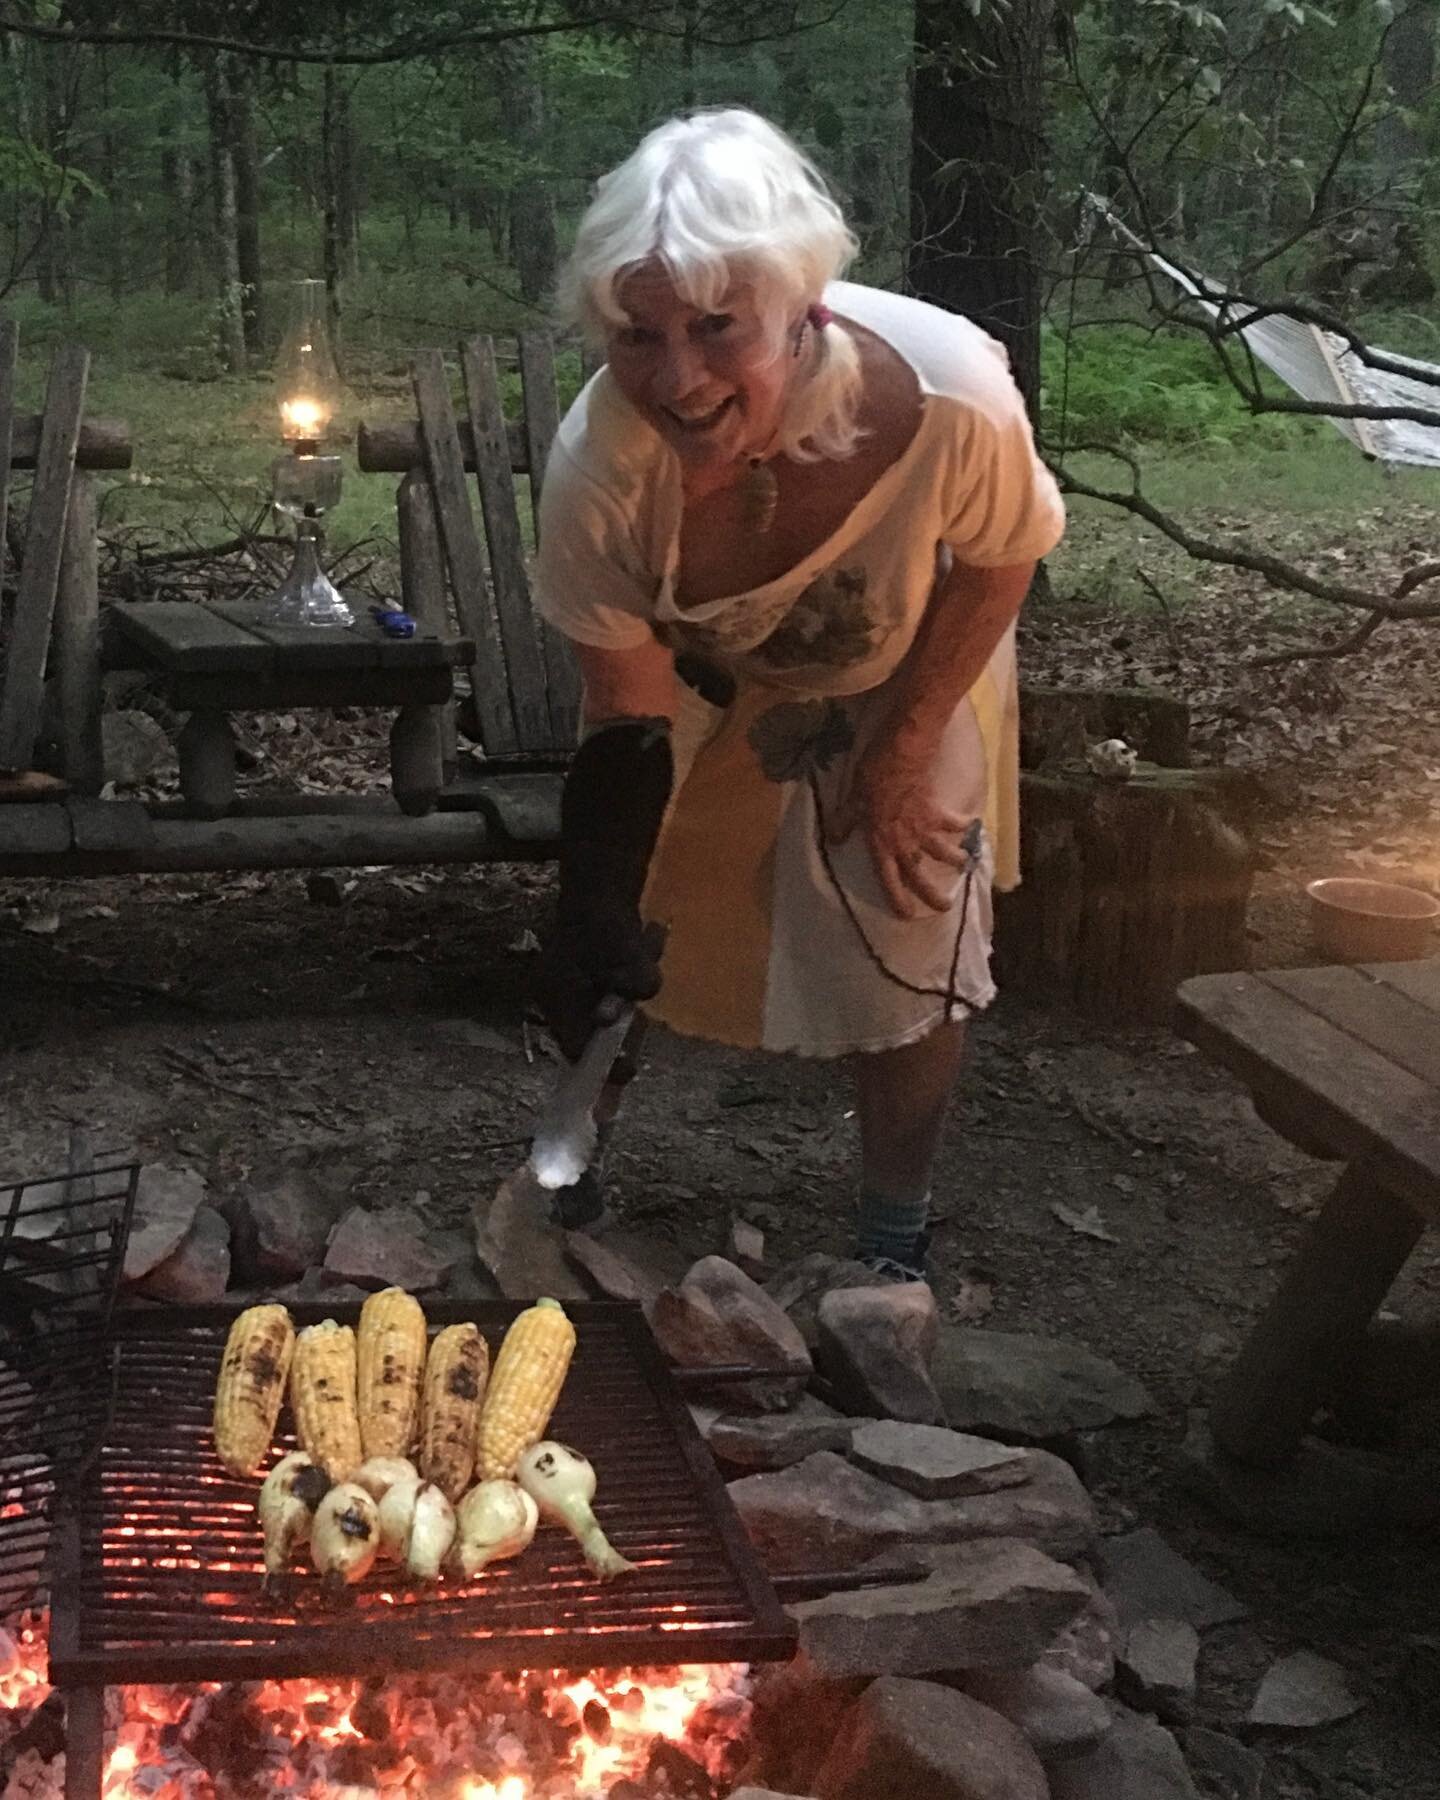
1121, 385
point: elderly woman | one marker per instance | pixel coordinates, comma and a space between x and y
787, 529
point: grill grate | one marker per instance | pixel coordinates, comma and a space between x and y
167, 1552
62, 1246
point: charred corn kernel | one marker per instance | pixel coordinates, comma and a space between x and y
390, 1357
251, 1386
529, 1373
455, 1375
322, 1398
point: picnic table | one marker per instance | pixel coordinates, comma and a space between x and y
1345, 1062
212, 659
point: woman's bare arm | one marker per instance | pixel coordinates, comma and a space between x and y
627, 684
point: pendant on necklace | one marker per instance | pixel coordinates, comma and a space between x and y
759, 496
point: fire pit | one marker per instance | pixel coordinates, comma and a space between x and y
158, 1571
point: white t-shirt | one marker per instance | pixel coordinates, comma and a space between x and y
969, 487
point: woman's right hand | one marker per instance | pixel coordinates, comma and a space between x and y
597, 959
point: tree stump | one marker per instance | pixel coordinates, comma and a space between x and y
1128, 888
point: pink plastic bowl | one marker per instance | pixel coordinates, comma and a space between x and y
1371, 921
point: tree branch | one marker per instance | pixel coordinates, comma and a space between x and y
1274, 569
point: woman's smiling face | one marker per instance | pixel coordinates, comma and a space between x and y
713, 384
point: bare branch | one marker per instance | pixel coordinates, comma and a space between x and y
1274, 569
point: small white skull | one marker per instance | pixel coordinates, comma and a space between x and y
1112, 760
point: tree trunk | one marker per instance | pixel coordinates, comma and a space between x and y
1409, 74
53, 272
347, 183
245, 153
177, 184
230, 330
977, 169
331, 151
533, 241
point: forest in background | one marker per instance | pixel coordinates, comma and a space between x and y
163, 183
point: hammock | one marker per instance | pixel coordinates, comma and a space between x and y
1319, 365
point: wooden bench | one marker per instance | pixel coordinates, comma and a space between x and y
1346, 1063
214, 660
467, 588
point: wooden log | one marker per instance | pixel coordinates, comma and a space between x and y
423, 591
394, 447
511, 584
1128, 888
463, 552
1057, 723
23, 692
102, 443
9, 350
75, 646
542, 422
1343, 1270
207, 764
417, 771
379, 837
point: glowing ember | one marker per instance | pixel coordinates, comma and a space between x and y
22, 1665
635, 1734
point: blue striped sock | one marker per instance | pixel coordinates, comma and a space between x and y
891, 1224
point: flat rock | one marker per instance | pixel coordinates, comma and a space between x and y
197, 1272
1146, 1579
1228, 1770
755, 1441
1135, 1760
824, 1513
904, 1739
517, 1243
166, 1202
1085, 1649
718, 1315
997, 1606
1156, 1668
385, 1248
875, 1346
314, 1286
291, 1222
1303, 1690
1030, 1390
1055, 1713
613, 1274
800, 1286
934, 1463
795, 1714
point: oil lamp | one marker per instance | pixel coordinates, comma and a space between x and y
304, 484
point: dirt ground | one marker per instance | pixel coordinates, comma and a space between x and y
235, 1024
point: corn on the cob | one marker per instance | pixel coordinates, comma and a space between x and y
390, 1356
322, 1398
251, 1386
530, 1370
454, 1386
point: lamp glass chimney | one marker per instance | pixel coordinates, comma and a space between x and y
307, 380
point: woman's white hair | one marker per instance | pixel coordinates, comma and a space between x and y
717, 196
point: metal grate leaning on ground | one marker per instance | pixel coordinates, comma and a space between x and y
62, 1247
168, 1559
